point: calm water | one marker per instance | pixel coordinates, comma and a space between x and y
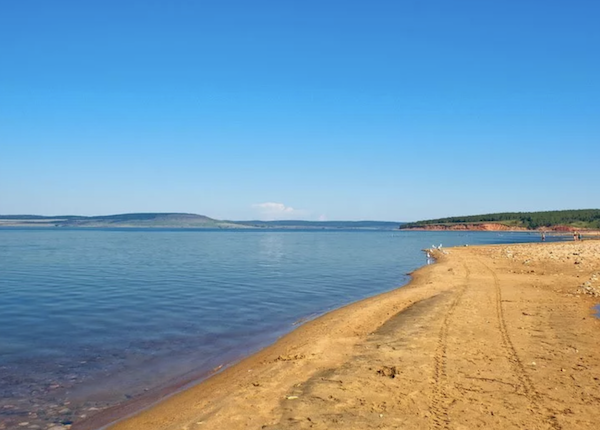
92, 318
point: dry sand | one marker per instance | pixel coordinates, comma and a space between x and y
493, 337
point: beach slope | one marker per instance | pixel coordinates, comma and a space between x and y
493, 337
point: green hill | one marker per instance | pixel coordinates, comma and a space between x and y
580, 218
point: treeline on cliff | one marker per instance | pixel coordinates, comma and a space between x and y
581, 218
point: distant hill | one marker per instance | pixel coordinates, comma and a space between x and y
178, 220
149, 220
297, 224
565, 220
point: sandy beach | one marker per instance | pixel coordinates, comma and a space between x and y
488, 337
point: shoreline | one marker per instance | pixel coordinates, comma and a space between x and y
549, 231
260, 388
122, 411
278, 351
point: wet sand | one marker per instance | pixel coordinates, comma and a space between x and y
489, 337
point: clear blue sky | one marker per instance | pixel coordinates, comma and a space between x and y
387, 110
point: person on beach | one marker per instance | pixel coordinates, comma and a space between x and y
574, 235
543, 236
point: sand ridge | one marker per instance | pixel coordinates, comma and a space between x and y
489, 337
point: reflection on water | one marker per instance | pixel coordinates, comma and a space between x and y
271, 250
92, 318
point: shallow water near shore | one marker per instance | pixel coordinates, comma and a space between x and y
95, 318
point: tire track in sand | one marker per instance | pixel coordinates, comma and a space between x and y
526, 384
439, 406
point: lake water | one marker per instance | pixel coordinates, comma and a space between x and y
94, 318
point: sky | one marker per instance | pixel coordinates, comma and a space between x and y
332, 110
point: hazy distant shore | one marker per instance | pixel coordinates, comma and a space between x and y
180, 220
411, 357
